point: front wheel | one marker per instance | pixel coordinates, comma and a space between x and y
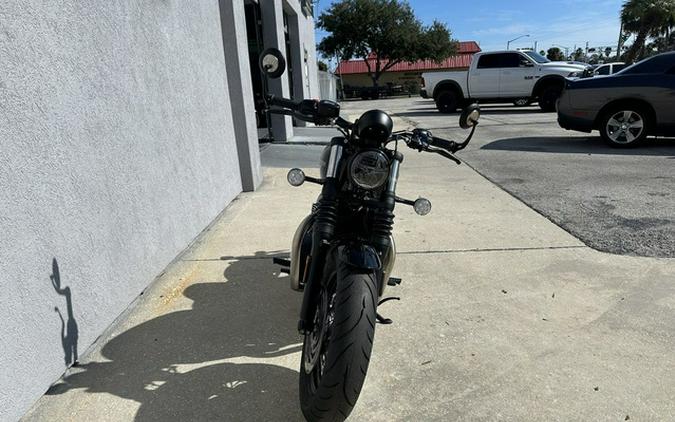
624, 127
335, 355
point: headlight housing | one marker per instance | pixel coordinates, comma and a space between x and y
369, 169
574, 75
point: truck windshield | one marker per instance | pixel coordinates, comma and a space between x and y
536, 57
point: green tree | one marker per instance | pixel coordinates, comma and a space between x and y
608, 52
579, 55
594, 59
645, 19
663, 44
322, 66
555, 54
385, 31
542, 52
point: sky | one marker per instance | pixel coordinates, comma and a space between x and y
492, 23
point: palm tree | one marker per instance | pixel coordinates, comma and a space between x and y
646, 18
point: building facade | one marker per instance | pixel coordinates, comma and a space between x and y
126, 128
406, 76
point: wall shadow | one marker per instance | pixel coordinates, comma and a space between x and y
69, 330
250, 313
581, 145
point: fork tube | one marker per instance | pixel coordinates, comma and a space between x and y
323, 231
393, 175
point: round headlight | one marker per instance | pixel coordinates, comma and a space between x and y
369, 169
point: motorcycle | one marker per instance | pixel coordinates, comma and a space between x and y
343, 252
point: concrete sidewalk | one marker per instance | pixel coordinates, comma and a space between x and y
504, 316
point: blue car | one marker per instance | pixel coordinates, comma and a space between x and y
625, 107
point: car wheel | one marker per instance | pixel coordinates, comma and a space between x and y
548, 97
447, 102
522, 102
624, 127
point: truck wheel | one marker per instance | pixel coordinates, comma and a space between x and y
447, 102
548, 97
624, 127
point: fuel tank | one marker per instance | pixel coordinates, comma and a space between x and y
302, 247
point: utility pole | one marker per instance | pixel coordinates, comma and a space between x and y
535, 46
586, 55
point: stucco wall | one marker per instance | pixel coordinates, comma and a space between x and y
116, 151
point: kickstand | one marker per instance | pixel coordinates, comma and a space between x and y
382, 320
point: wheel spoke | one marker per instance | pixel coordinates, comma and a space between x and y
629, 136
613, 123
636, 124
626, 116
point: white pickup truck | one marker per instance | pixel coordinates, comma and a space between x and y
500, 76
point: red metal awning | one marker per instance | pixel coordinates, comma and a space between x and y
466, 51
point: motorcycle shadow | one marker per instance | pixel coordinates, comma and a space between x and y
172, 364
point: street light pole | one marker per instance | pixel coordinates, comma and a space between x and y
508, 43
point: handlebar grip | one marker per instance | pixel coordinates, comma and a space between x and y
283, 102
444, 144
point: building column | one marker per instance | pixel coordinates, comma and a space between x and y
272, 12
235, 43
297, 56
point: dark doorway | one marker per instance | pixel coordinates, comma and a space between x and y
255, 47
289, 57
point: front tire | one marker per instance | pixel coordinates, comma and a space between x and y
329, 389
624, 127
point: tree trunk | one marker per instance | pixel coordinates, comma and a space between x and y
637, 46
376, 86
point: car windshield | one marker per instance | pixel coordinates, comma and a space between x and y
536, 57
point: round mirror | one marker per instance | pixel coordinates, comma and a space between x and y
272, 63
469, 117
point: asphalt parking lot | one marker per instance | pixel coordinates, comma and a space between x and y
617, 201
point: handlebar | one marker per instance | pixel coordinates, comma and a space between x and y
423, 140
283, 102
328, 113
443, 143
318, 112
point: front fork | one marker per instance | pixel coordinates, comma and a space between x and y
324, 228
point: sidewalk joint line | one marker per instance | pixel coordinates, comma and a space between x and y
448, 251
442, 251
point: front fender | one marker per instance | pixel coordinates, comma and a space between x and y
360, 256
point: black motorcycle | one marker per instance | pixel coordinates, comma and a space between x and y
343, 252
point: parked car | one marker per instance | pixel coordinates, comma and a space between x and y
625, 107
609, 68
501, 76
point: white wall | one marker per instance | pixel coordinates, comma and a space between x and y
117, 149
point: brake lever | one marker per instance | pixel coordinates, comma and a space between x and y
445, 154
